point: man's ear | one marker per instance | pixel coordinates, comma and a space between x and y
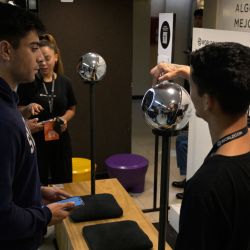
5, 50
208, 102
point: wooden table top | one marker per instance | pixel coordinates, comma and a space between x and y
130, 212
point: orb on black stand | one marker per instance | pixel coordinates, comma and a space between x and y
92, 68
167, 107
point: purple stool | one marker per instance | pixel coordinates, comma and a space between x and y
129, 169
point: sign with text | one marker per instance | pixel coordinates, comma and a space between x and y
233, 15
165, 37
199, 141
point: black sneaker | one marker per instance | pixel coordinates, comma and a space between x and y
179, 184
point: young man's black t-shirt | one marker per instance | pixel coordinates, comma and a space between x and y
215, 212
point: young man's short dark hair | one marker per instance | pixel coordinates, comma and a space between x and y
223, 71
15, 23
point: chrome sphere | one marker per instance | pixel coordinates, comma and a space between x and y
91, 67
167, 106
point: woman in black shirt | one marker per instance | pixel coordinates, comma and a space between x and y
53, 91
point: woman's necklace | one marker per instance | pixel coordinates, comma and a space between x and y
51, 96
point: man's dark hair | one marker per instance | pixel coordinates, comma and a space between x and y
15, 23
198, 12
222, 70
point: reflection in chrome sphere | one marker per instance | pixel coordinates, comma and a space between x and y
167, 106
91, 67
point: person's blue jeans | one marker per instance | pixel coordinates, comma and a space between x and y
181, 152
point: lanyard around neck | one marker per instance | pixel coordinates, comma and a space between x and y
233, 136
51, 96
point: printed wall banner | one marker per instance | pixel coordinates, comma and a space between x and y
233, 15
165, 37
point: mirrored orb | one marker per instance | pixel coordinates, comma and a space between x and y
167, 106
91, 67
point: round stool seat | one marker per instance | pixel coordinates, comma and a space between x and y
129, 169
81, 168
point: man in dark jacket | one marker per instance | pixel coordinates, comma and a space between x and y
23, 217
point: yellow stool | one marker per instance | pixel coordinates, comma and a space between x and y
81, 168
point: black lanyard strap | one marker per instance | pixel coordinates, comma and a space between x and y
233, 136
52, 96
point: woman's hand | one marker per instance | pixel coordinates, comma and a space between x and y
68, 115
64, 125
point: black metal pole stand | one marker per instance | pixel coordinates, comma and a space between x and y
155, 172
154, 208
92, 134
164, 186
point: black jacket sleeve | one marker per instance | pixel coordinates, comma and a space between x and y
22, 220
